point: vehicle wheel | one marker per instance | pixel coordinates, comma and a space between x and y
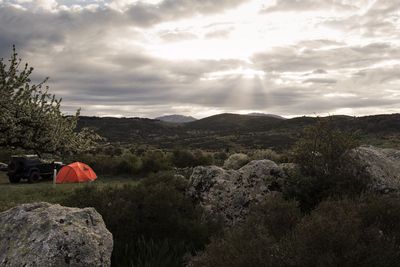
34, 177
14, 179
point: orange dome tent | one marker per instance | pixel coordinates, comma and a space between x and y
76, 172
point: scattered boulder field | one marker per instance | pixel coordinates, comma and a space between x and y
42, 234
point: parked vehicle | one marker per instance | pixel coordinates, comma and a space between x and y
31, 168
3, 167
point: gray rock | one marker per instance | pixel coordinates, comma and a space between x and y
185, 172
227, 194
42, 234
380, 166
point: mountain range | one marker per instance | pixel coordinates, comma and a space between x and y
234, 131
175, 118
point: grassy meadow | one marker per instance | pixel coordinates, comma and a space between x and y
14, 194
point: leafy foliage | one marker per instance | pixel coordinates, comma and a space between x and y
360, 232
320, 151
30, 117
185, 158
154, 213
155, 161
325, 172
236, 161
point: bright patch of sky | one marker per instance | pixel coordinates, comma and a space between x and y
199, 57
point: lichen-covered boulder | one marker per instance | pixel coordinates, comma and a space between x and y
381, 167
228, 194
42, 234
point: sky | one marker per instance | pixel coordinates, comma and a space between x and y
202, 57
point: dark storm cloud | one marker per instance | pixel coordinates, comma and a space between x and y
21, 28
148, 14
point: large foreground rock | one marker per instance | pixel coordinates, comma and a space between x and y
42, 234
380, 166
227, 194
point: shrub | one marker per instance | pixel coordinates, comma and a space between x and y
157, 253
321, 154
155, 161
360, 232
254, 243
260, 154
153, 213
307, 190
129, 164
343, 233
219, 158
320, 151
5, 155
112, 165
186, 158
236, 161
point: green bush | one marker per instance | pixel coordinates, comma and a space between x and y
255, 242
347, 233
156, 211
112, 165
219, 158
260, 154
325, 171
359, 232
5, 155
185, 158
321, 149
236, 161
129, 164
150, 253
155, 161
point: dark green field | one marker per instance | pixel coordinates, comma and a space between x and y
14, 194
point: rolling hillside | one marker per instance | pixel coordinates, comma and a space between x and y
226, 131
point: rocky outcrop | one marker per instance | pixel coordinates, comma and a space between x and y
227, 194
42, 234
381, 167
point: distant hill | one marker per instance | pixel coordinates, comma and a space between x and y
228, 122
176, 118
234, 131
266, 115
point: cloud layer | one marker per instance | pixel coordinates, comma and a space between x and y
200, 57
